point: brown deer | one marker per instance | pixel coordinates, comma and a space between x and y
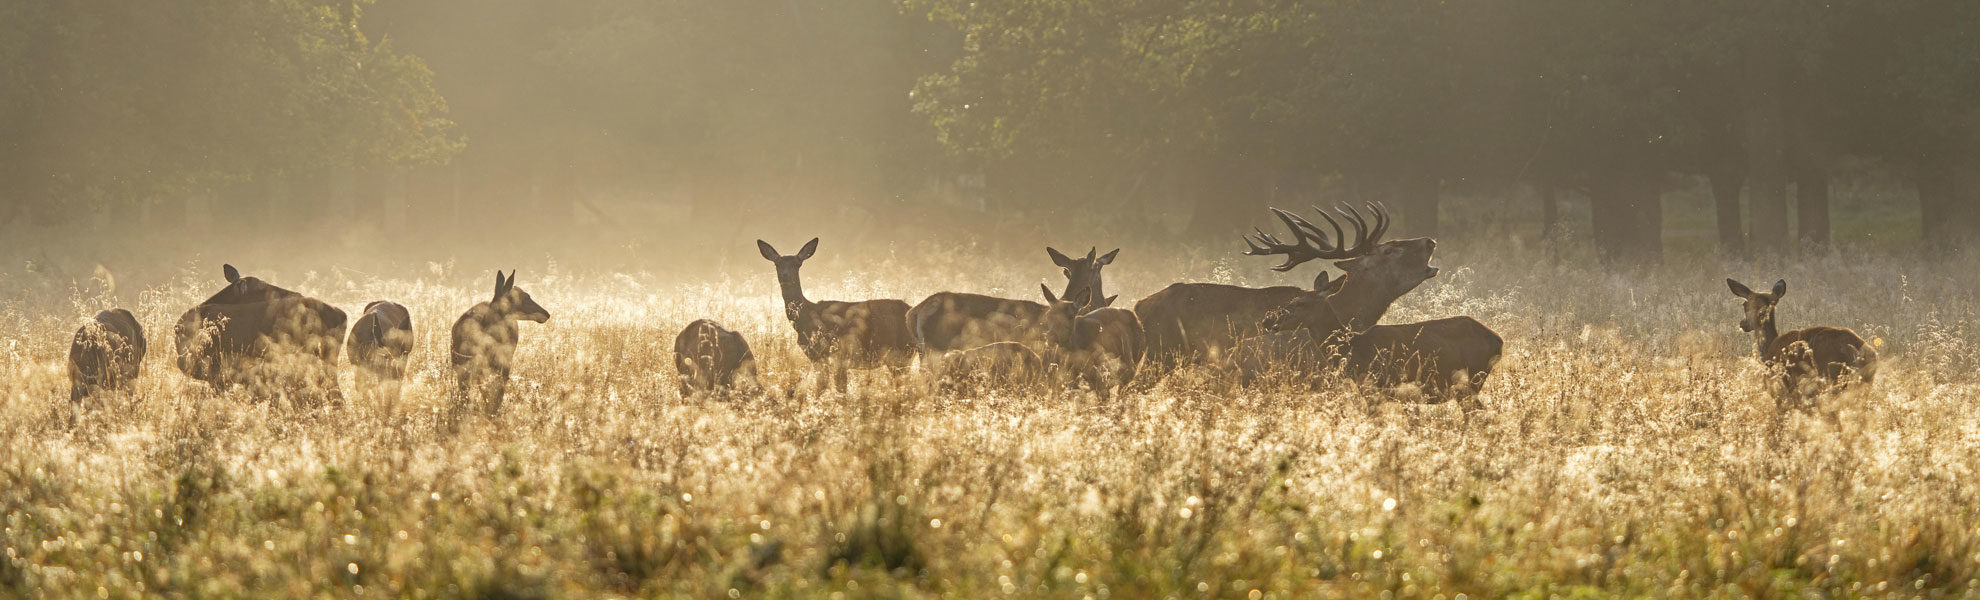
380, 344
1810, 359
841, 335
106, 355
1083, 275
258, 335
710, 358
1105, 348
484, 341
1202, 321
1002, 365
1450, 358
951, 321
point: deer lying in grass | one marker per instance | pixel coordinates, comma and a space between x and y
484, 341
1449, 358
1201, 322
841, 335
710, 358
1041, 326
1083, 276
106, 355
1811, 360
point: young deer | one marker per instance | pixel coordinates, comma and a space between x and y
484, 340
1083, 275
1002, 365
1037, 328
380, 343
1809, 358
107, 354
841, 335
1105, 348
710, 358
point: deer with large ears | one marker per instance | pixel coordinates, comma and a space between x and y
1201, 322
1810, 359
484, 340
1083, 275
841, 335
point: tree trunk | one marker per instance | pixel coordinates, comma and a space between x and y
1935, 203
1725, 197
1811, 202
1550, 211
1628, 216
1420, 195
1765, 133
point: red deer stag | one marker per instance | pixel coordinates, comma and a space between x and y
710, 358
106, 355
484, 341
264, 337
1200, 322
1811, 359
841, 335
1083, 276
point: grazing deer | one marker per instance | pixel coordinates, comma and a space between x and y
380, 344
951, 321
841, 335
1203, 321
710, 358
484, 340
107, 354
1002, 365
1810, 358
1083, 275
262, 336
1105, 348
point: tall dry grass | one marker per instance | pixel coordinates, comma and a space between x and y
1626, 448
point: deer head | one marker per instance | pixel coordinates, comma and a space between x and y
1060, 312
1083, 274
513, 303
787, 273
1374, 272
1759, 306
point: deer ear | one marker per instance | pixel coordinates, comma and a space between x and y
809, 247
1049, 298
1739, 289
1108, 259
1108, 302
768, 252
1057, 258
1320, 282
1780, 288
233, 274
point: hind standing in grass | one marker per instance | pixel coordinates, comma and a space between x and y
484, 346
841, 335
1812, 359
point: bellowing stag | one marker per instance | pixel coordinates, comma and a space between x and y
1810, 359
380, 344
841, 335
710, 358
272, 339
484, 341
1083, 276
1199, 322
107, 354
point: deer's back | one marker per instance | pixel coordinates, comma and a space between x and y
871, 333
1197, 320
953, 320
1830, 351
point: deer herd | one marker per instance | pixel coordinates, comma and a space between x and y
274, 340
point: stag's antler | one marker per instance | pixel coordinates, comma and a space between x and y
1310, 242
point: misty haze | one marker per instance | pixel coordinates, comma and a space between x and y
970, 299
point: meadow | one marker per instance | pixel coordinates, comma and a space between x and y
1626, 447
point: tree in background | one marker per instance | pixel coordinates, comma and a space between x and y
111, 102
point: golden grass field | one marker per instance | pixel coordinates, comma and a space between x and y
1626, 448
